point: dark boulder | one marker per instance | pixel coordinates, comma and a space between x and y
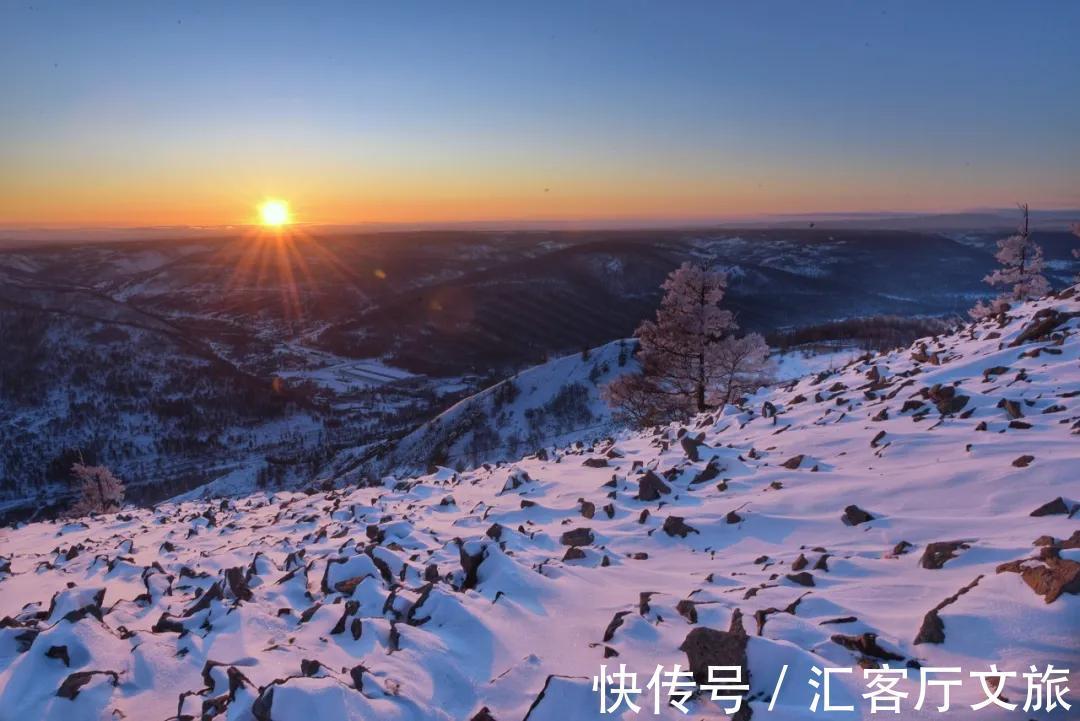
867, 645
853, 516
932, 629
676, 526
794, 462
71, 685
1051, 508
577, 537
650, 487
936, 554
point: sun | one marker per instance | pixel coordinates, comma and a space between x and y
274, 213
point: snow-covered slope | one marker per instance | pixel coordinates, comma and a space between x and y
872, 516
552, 404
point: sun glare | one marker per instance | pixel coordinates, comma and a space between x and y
274, 213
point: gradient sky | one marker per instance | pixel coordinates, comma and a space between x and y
159, 113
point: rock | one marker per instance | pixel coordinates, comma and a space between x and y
595, 462
705, 647
516, 480
794, 462
168, 624
236, 582
483, 715
867, 645
1054, 507
351, 607
1023, 461
901, 548
911, 405
945, 399
59, 652
588, 509
853, 516
1044, 321
803, 579
708, 473
615, 623
578, 537
260, 708
882, 415
687, 609
932, 629
1072, 541
733, 517
877, 439
1019, 425
1012, 408
799, 563
1048, 576
71, 685
574, 554
690, 447
936, 554
650, 487
675, 526
838, 620
952, 404
470, 564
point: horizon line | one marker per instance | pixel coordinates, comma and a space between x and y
509, 224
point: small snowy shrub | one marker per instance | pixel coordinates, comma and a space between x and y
99, 490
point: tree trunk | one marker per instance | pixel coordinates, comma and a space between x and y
700, 390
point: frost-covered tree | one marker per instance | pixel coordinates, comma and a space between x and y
99, 490
1020, 273
691, 360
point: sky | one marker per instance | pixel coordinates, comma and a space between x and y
192, 113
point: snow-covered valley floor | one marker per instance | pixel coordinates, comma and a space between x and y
870, 516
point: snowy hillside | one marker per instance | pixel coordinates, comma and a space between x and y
916, 508
552, 404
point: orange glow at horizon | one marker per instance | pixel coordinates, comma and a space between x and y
436, 197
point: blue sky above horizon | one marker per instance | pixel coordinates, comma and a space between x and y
191, 113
